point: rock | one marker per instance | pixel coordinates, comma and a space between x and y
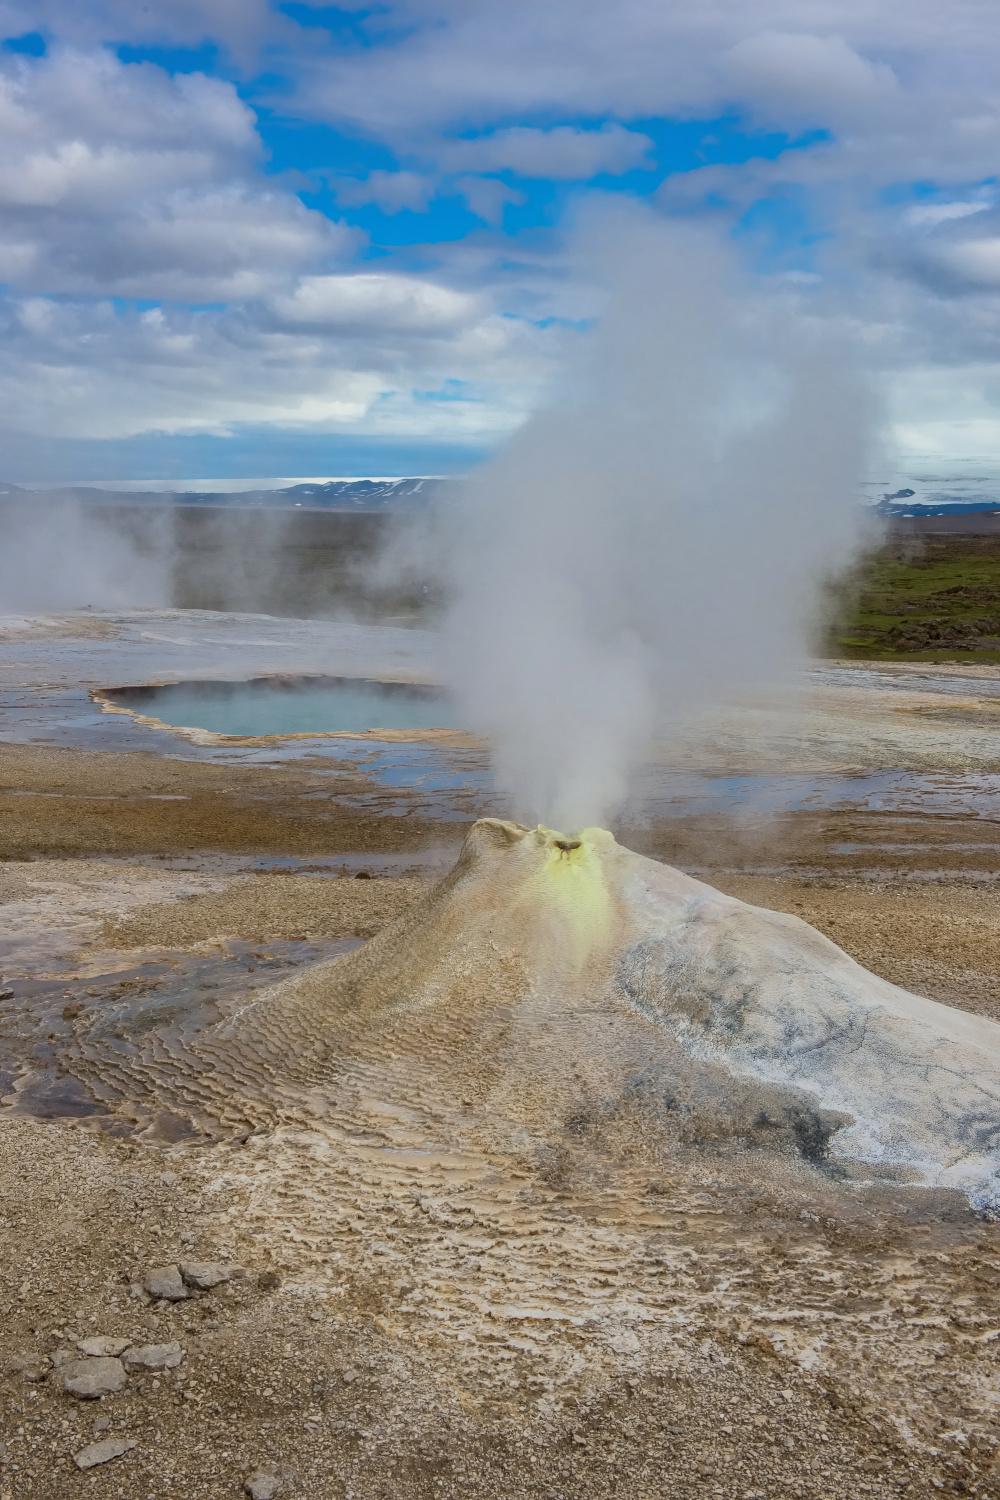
100, 1453
263, 1486
101, 1348
32, 1367
168, 1178
91, 1378
101, 1424
165, 1282
203, 1275
153, 1357
268, 1281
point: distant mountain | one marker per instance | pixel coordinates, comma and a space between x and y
336, 494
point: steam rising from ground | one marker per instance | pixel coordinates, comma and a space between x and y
658, 537
59, 554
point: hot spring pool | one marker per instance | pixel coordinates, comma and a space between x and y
290, 705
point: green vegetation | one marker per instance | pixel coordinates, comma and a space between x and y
927, 599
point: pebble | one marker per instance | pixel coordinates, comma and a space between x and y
102, 1348
262, 1486
100, 1453
165, 1283
203, 1275
91, 1378
154, 1357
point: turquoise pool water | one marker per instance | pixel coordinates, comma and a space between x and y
291, 705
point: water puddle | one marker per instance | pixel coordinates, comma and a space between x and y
48, 1021
680, 794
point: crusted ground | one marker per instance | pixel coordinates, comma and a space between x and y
676, 1317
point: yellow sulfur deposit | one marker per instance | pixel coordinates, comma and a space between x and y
570, 883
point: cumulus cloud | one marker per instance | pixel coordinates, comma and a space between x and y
120, 179
357, 352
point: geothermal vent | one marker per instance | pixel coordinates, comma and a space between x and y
564, 999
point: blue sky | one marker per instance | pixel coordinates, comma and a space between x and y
274, 239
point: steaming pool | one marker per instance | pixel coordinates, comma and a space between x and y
289, 705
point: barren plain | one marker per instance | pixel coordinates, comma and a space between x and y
412, 1301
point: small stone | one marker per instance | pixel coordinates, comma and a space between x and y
6, 993
168, 1179
91, 1378
268, 1281
101, 1348
203, 1275
100, 1453
263, 1486
101, 1424
165, 1283
31, 1367
153, 1357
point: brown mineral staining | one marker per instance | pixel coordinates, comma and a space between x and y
71, 803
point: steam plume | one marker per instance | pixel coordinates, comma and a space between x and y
658, 536
58, 554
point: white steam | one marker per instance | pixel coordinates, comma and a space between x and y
661, 536
58, 554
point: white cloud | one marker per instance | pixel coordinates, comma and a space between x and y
486, 197
973, 262
390, 191
940, 213
120, 179
340, 352
242, 26
400, 303
123, 181
797, 78
563, 152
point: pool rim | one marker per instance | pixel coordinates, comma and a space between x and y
196, 734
